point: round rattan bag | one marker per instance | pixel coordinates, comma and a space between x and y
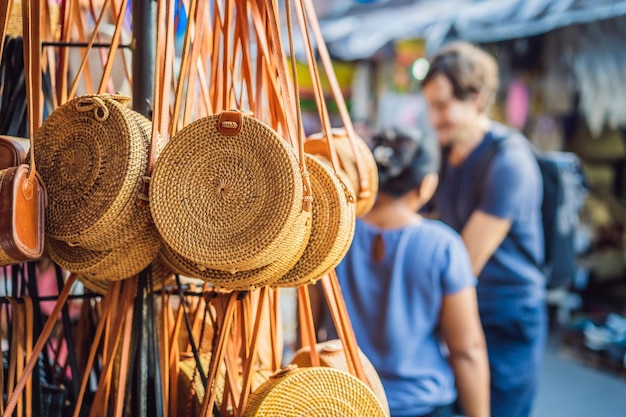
161, 277
313, 392
91, 156
332, 354
316, 145
332, 225
227, 193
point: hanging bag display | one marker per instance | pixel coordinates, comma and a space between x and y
23, 195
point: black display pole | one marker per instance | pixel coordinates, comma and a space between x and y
144, 53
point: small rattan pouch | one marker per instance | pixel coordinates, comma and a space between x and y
227, 194
332, 354
313, 392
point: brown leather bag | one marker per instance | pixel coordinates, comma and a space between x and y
22, 204
13, 151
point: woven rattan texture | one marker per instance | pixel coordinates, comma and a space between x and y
90, 155
332, 354
228, 202
161, 276
133, 219
244, 280
332, 227
316, 145
314, 392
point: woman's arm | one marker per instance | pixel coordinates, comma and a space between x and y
462, 332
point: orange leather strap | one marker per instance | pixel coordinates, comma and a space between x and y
217, 356
364, 184
126, 343
115, 41
5, 12
41, 342
307, 326
106, 302
28, 342
85, 52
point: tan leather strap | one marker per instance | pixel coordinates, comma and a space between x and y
216, 87
217, 357
317, 86
5, 12
115, 41
343, 325
28, 342
174, 358
126, 343
85, 52
364, 185
15, 353
99, 406
274, 323
32, 73
164, 351
185, 64
106, 302
199, 40
41, 342
64, 53
307, 326
252, 359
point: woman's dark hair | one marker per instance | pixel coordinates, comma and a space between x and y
404, 156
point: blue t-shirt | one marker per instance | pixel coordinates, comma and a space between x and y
394, 307
509, 188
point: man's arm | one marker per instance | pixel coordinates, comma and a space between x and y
482, 235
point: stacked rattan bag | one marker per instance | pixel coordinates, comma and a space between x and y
94, 153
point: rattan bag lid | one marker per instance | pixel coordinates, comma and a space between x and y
313, 392
227, 193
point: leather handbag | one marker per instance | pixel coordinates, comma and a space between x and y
22, 203
22, 193
13, 151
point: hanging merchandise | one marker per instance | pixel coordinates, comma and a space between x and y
23, 195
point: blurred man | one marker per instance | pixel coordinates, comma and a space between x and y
491, 193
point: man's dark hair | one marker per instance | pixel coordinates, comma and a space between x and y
469, 69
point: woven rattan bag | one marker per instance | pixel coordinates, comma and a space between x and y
316, 145
332, 354
313, 392
93, 155
332, 228
227, 194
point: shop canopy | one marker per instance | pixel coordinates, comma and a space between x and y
360, 29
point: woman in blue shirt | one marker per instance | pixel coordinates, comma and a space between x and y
410, 291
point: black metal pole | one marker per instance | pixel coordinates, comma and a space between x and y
144, 55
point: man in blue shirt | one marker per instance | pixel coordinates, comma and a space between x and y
495, 203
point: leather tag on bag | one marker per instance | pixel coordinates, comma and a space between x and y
230, 123
13, 151
22, 215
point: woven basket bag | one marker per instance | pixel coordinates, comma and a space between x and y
227, 194
332, 225
313, 392
332, 354
316, 145
92, 158
240, 280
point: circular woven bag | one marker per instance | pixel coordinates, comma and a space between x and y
240, 280
316, 145
332, 355
91, 156
133, 218
332, 227
313, 392
227, 193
